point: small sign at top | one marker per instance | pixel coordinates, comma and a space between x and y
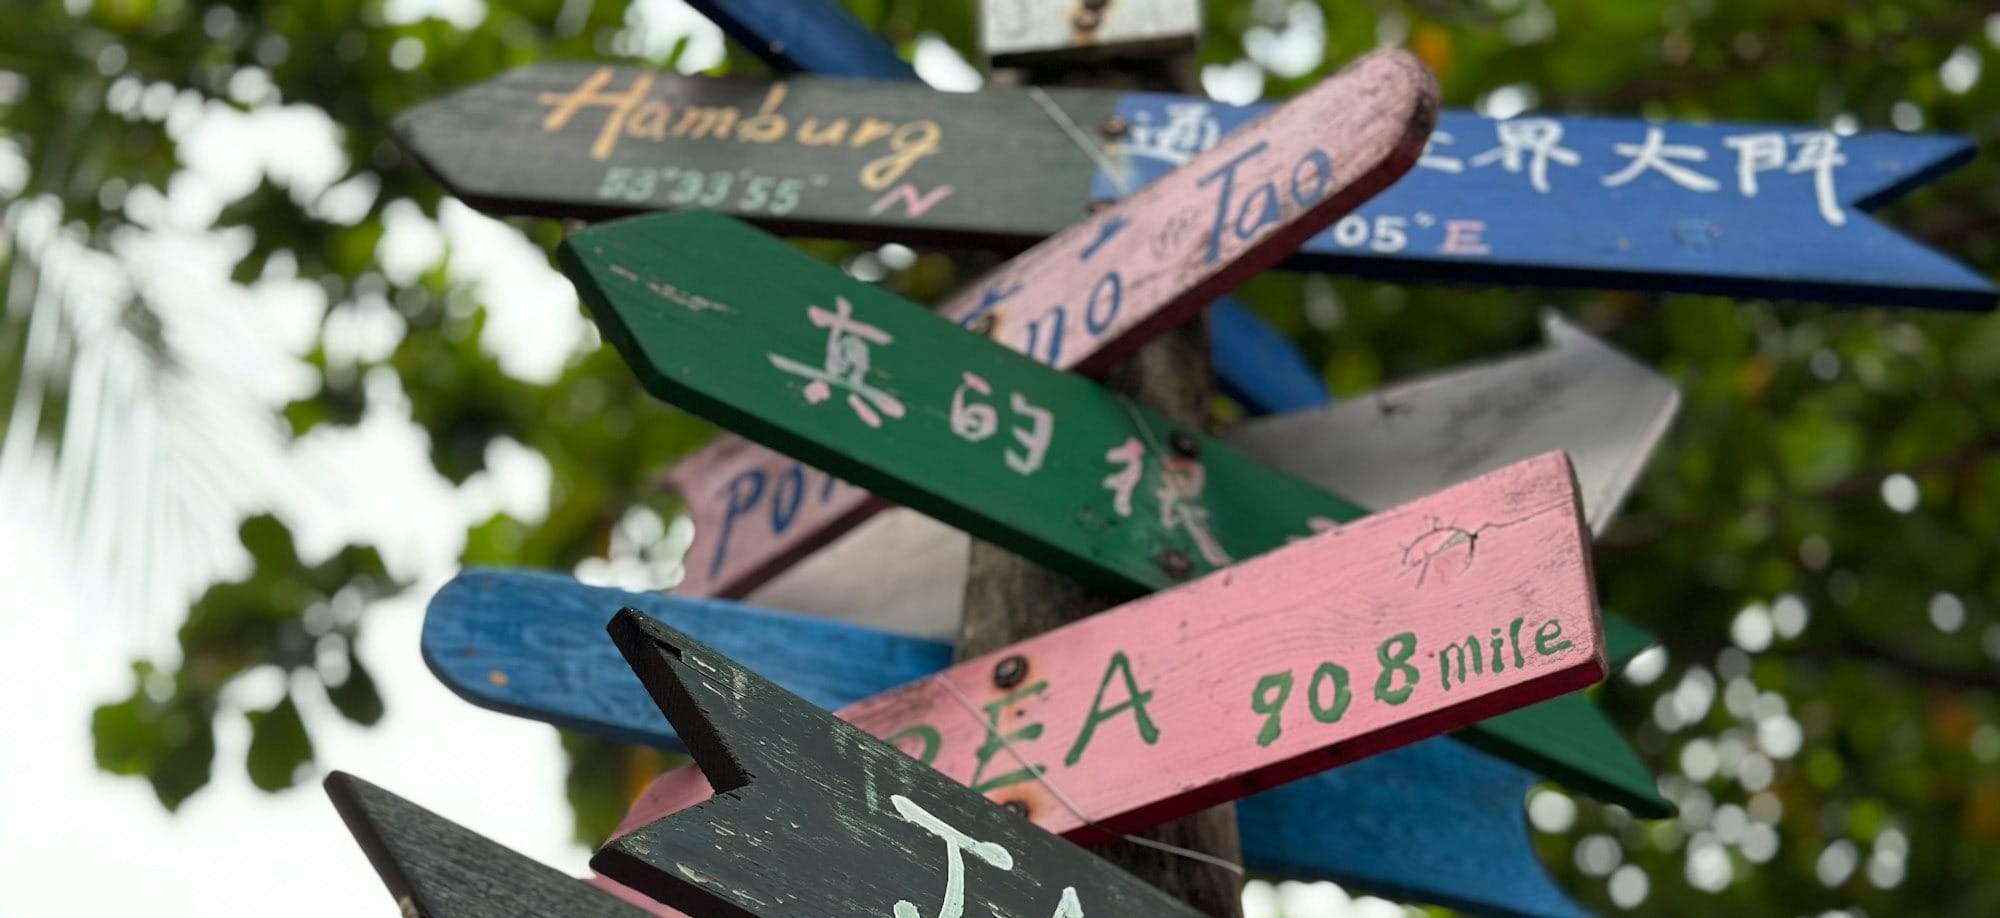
1017, 32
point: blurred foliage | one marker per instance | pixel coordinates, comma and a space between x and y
1816, 544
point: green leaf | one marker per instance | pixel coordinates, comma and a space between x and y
279, 746
356, 699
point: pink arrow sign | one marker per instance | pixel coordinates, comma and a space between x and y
1399, 626
1087, 297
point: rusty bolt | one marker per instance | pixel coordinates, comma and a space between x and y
1009, 672
1175, 563
1185, 445
983, 325
1017, 807
1114, 126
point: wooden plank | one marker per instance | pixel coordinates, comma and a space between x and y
1118, 499
438, 869
523, 643
1440, 824
1353, 825
1044, 32
811, 817
1580, 395
1258, 366
1767, 211
511, 641
814, 36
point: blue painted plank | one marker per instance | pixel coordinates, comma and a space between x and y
1434, 822
807, 36
1615, 203
1736, 210
533, 645
1437, 825
1259, 366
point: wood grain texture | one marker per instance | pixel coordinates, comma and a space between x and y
1009, 599
813, 36
1439, 823
1532, 200
513, 641
543, 632
1043, 33
812, 817
1606, 410
1084, 299
1343, 645
1260, 367
438, 869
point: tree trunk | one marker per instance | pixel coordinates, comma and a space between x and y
1008, 599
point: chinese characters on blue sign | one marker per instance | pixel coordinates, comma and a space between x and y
1744, 210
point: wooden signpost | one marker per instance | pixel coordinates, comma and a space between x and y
1033, 32
530, 644
810, 817
1082, 482
1618, 203
438, 869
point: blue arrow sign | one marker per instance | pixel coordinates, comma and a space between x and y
1435, 821
1615, 203
1734, 210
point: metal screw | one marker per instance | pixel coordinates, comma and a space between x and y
1175, 563
1185, 445
1017, 807
1087, 20
1010, 671
983, 325
1114, 126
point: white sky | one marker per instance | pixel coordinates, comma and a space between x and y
76, 841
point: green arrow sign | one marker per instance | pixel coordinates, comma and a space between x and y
742, 329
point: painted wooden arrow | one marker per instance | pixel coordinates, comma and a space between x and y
528, 644
1184, 699
439, 869
1119, 499
811, 817
905, 572
1605, 409
1767, 211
